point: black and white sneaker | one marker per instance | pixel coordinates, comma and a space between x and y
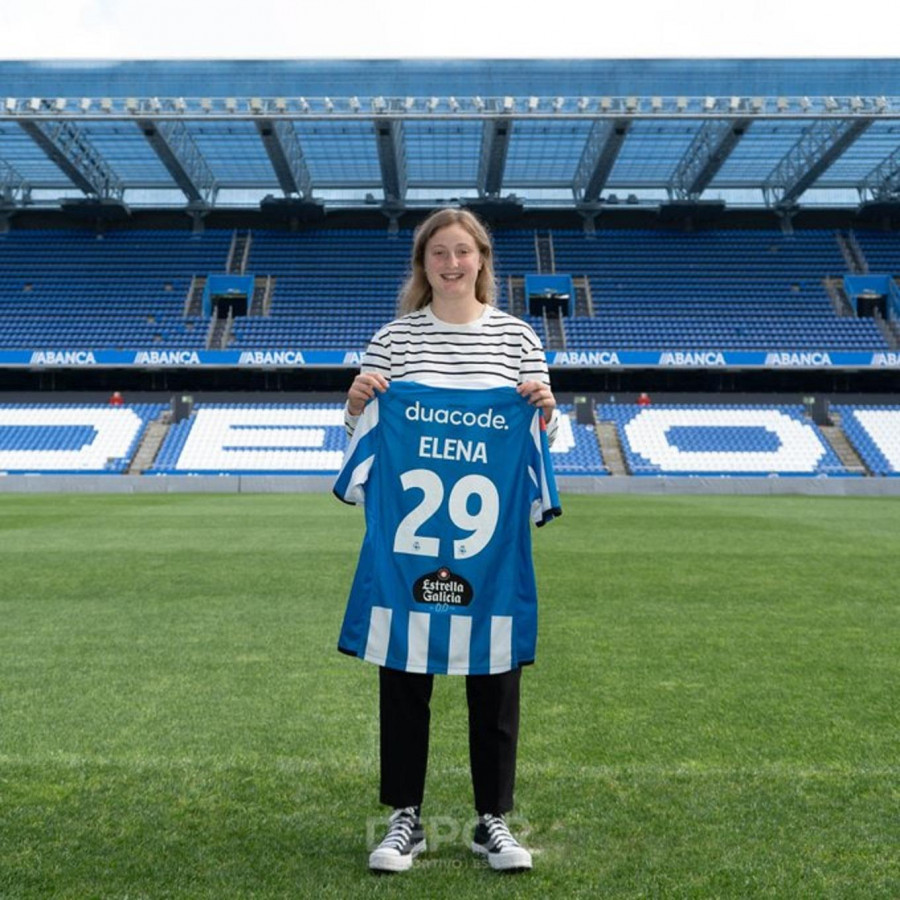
503, 851
405, 839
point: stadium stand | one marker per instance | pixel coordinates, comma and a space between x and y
334, 288
75, 438
576, 451
255, 439
874, 432
247, 438
880, 249
124, 290
717, 218
711, 290
721, 440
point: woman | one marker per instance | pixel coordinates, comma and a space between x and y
451, 336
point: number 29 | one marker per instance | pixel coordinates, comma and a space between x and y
481, 525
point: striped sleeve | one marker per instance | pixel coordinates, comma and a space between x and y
377, 358
534, 368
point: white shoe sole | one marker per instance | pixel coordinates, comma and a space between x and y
392, 861
514, 859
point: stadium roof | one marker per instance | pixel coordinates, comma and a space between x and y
576, 134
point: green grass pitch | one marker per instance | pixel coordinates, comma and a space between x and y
714, 712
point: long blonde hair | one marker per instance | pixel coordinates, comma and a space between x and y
416, 291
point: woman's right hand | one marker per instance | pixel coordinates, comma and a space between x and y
363, 390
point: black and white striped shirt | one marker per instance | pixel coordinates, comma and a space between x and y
495, 350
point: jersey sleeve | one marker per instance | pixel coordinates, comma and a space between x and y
545, 499
350, 485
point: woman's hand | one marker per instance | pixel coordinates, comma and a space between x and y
363, 390
539, 394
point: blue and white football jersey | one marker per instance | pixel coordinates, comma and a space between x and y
451, 480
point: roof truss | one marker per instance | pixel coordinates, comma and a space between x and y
495, 137
660, 166
13, 187
286, 155
392, 159
71, 150
883, 182
711, 146
178, 152
821, 144
598, 157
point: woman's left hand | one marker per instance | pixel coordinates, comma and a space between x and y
539, 394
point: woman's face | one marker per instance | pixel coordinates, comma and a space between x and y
452, 263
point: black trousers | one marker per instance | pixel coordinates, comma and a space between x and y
405, 715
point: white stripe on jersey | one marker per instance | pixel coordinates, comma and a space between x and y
501, 644
379, 635
417, 642
460, 638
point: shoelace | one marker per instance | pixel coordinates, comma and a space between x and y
402, 823
498, 832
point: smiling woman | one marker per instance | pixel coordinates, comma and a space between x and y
451, 246
452, 335
452, 266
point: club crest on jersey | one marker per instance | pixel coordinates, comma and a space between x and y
443, 588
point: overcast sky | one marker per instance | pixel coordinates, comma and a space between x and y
353, 29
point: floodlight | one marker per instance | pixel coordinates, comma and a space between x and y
631, 104
478, 103
180, 104
831, 104
881, 104
856, 103
34, 104
558, 104
106, 104
735, 104
353, 103
85, 104
453, 103
132, 105
303, 103
328, 104
59, 104
509, 104
378, 104
432, 104
533, 104
758, 104
206, 104
681, 104
605, 104
11, 104
155, 105
583, 104
805, 104
281, 104
256, 104
709, 104
782, 103
656, 104
409, 103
